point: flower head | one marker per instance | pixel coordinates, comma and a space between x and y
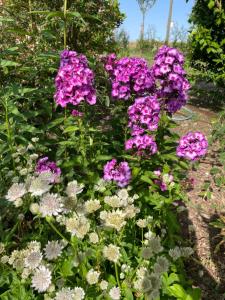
92, 276
74, 81
41, 279
53, 250
50, 205
112, 253
16, 191
120, 173
44, 165
192, 146
115, 293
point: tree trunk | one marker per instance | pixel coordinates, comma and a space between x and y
143, 27
169, 23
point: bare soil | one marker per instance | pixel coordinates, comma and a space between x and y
207, 267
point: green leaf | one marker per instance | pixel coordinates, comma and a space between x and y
66, 269
103, 157
211, 4
71, 129
8, 63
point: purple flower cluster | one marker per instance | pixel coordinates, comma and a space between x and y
129, 75
144, 115
74, 81
192, 146
44, 165
120, 173
168, 69
144, 145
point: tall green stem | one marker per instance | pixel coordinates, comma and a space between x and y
65, 23
57, 231
117, 275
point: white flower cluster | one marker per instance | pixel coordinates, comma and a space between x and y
30, 262
178, 252
148, 284
76, 293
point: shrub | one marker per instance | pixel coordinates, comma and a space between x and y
82, 215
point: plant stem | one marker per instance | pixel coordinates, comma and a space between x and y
65, 23
9, 136
117, 275
57, 231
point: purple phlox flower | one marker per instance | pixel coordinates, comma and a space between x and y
74, 81
118, 172
143, 145
45, 165
144, 115
192, 146
169, 72
129, 75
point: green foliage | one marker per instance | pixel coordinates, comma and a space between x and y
207, 36
38, 23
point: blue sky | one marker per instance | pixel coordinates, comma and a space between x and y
156, 16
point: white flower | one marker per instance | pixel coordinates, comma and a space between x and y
4, 259
64, 294
26, 273
113, 201
114, 293
18, 202
33, 259
103, 285
38, 186
34, 246
50, 205
149, 235
93, 237
175, 253
34, 208
16, 191
124, 196
142, 223
35, 139
49, 177
41, 279
52, 250
33, 156
146, 253
155, 244
186, 251
131, 211
114, 219
78, 293
92, 276
112, 253
77, 225
74, 188
92, 205
161, 265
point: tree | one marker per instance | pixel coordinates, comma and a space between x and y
144, 5
208, 35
